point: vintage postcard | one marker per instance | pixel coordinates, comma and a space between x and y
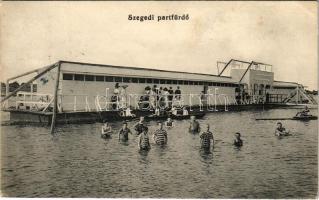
133, 99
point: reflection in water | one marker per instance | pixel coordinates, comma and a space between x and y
77, 162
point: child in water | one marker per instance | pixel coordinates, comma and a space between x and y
160, 135
123, 133
169, 123
238, 141
194, 125
280, 130
106, 130
144, 141
205, 139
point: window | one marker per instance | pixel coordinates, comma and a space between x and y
201, 83
89, 78
210, 84
162, 81
141, 80
168, 81
118, 79
67, 76
174, 82
214, 84
156, 81
180, 82
191, 82
195, 82
109, 79
186, 83
217, 84
126, 80
99, 78
79, 77
149, 80
134, 80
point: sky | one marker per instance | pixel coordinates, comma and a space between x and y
283, 34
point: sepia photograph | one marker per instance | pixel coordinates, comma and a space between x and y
159, 99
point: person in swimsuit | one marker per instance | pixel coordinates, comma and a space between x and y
139, 126
160, 135
305, 112
280, 130
205, 139
106, 130
238, 142
194, 125
169, 122
144, 141
123, 133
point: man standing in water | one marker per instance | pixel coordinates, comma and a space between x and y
123, 133
160, 135
238, 141
194, 125
139, 126
144, 142
205, 139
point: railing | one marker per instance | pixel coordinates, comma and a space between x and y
33, 101
81, 102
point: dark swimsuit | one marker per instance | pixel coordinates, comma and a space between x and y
124, 134
139, 128
238, 143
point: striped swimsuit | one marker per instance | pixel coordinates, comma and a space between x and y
205, 139
144, 142
160, 137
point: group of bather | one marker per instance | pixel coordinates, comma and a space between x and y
153, 97
160, 135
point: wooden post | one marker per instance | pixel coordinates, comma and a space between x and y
55, 103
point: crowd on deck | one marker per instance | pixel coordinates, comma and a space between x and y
153, 98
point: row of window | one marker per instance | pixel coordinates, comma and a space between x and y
82, 77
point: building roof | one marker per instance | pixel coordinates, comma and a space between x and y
79, 67
284, 84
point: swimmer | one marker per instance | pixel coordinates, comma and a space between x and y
106, 130
280, 130
205, 138
139, 126
144, 141
169, 122
194, 125
238, 142
123, 133
160, 135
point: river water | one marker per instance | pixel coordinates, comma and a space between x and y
77, 162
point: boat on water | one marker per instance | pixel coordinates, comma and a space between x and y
306, 117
